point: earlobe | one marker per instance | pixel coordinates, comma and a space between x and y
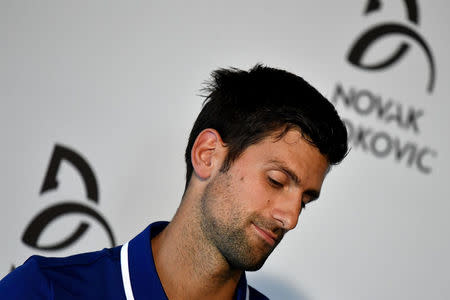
207, 153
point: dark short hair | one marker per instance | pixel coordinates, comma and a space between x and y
247, 106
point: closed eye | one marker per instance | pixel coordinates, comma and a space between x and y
310, 197
275, 183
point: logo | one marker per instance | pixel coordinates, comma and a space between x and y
375, 34
50, 214
396, 133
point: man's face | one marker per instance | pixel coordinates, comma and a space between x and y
246, 210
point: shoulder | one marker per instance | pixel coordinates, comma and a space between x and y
86, 261
58, 277
255, 294
28, 275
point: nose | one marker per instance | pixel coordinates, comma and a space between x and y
287, 211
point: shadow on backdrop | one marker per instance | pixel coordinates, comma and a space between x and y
276, 288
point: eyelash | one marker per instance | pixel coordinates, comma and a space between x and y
277, 184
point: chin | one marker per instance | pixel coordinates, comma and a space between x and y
254, 267
246, 263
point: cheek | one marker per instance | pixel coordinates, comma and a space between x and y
254, 193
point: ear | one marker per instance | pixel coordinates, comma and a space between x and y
208, 153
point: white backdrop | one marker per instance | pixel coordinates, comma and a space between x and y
117, 83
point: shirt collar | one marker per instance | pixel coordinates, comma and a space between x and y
145, 282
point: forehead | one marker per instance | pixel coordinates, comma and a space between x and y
293, 143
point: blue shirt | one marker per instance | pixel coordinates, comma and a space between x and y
124, 272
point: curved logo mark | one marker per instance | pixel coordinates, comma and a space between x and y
54, 212
374, 34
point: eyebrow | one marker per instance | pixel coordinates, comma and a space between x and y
286, 170
312, 193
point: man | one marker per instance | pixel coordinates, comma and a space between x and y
257, 155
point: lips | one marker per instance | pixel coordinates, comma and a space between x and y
267, 235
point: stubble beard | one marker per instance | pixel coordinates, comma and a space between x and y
224, 226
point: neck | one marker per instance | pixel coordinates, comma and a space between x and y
188, 265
